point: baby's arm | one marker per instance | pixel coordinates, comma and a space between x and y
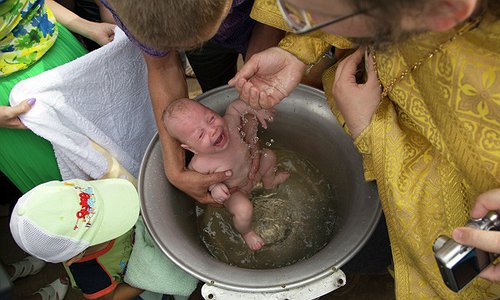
220, 192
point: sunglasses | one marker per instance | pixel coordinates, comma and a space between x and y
300, 21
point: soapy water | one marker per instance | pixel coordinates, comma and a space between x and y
296, 219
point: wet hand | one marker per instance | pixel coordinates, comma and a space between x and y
485, 240
268, 77
265, 115
356, 101
9, 114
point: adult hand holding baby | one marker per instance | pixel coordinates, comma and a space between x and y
197, 185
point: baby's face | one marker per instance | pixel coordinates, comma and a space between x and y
202, 130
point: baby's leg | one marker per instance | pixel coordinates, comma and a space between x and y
267, 168
241, 208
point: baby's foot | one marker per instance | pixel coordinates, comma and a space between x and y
253, 240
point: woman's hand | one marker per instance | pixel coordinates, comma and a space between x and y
356, 101
9, 114
482, 239
268, 77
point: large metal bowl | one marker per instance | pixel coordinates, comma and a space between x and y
304, 124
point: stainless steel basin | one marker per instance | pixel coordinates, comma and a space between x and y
304, 124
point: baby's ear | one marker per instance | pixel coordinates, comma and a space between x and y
186, 147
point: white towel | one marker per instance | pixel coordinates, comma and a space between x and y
101, 97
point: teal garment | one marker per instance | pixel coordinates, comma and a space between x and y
25, 158
163, 275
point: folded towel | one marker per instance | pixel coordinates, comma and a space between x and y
101, 97
150, 269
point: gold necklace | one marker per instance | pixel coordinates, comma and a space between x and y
390, 85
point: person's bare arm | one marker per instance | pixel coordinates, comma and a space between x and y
167, 83
237, 108
101, 33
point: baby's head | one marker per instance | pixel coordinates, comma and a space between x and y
58, 220
179, 113
197, 127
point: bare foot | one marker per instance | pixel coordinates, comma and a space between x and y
253, 240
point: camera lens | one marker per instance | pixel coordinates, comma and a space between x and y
439, 242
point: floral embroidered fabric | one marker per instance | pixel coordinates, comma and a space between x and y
27, 31
432, 145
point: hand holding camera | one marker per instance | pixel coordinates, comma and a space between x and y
474, 247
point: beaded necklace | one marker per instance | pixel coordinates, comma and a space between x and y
473, 23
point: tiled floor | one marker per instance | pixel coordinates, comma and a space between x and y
367, 287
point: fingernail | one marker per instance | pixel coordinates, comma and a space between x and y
31, 101
228, 173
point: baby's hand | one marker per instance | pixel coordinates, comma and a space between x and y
220, 192
265, 115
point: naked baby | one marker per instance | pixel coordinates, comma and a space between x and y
227, 142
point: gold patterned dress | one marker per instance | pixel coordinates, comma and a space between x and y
433, 145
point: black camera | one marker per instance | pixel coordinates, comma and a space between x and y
458, 263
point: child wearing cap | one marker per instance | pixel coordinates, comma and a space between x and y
87, 225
